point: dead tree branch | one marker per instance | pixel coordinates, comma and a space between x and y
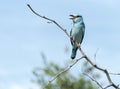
111, 84
94, 80
51, 20
61, 72
114, 73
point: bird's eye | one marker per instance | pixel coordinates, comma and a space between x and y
79, 16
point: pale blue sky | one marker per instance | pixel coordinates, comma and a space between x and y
23, 36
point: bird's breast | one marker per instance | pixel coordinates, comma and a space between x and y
77, 32
77, 29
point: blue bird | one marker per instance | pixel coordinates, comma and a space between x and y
76, 33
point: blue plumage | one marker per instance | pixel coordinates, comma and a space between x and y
77, 33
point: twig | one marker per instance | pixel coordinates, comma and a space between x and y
108, 86
51, 20
95, 55
94, 80
111, 86
61, 72
114, 73
99, 68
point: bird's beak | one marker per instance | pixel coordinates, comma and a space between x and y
72, 17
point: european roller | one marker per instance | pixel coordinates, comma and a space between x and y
76, 33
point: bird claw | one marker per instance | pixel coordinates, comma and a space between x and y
78, 45
71, 37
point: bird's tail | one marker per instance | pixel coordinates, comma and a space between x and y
73, 55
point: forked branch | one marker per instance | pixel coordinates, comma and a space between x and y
111, 84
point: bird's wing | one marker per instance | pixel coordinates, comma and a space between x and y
83, 29
71, 35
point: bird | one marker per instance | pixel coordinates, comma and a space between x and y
77, 33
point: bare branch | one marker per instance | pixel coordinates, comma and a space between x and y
61, 72
108, 86
95, 55
114, 73
94, 80
99, 68
111, 85
51, 20
82, 52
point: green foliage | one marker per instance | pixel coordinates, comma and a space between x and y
67, 80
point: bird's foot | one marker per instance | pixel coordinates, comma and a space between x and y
78, 45
71, 37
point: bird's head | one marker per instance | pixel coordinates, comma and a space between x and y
76, 18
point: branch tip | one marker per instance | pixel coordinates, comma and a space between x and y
28, 5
